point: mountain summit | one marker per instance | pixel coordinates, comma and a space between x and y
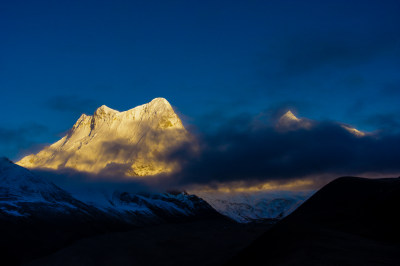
111, 142
289, 116
289, 121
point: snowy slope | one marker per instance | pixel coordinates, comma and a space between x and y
246, 207
113, 142
141, 208
24, 194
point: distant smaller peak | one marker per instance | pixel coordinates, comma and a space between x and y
289, 115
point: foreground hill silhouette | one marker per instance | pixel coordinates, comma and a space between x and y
350, 221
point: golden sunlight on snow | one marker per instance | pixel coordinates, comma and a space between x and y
136, 143
289, 122
109, 142
354, 131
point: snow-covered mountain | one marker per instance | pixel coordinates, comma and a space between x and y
27, 195
245, 207
163, 205
146, 208
133, 143
289, 121
111, 142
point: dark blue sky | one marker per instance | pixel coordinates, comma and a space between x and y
336, 60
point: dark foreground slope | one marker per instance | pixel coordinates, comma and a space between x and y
197, 243
351, 221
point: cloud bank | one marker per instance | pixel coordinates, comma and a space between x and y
250, 151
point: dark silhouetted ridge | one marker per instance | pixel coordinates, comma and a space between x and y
350, 221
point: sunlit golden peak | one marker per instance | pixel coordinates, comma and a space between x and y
135, 139
289, 122
290, 116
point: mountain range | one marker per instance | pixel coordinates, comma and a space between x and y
130, 143
38, 217
134, 143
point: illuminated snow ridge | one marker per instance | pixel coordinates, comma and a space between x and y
128, 143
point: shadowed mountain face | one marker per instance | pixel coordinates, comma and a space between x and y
351, 221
